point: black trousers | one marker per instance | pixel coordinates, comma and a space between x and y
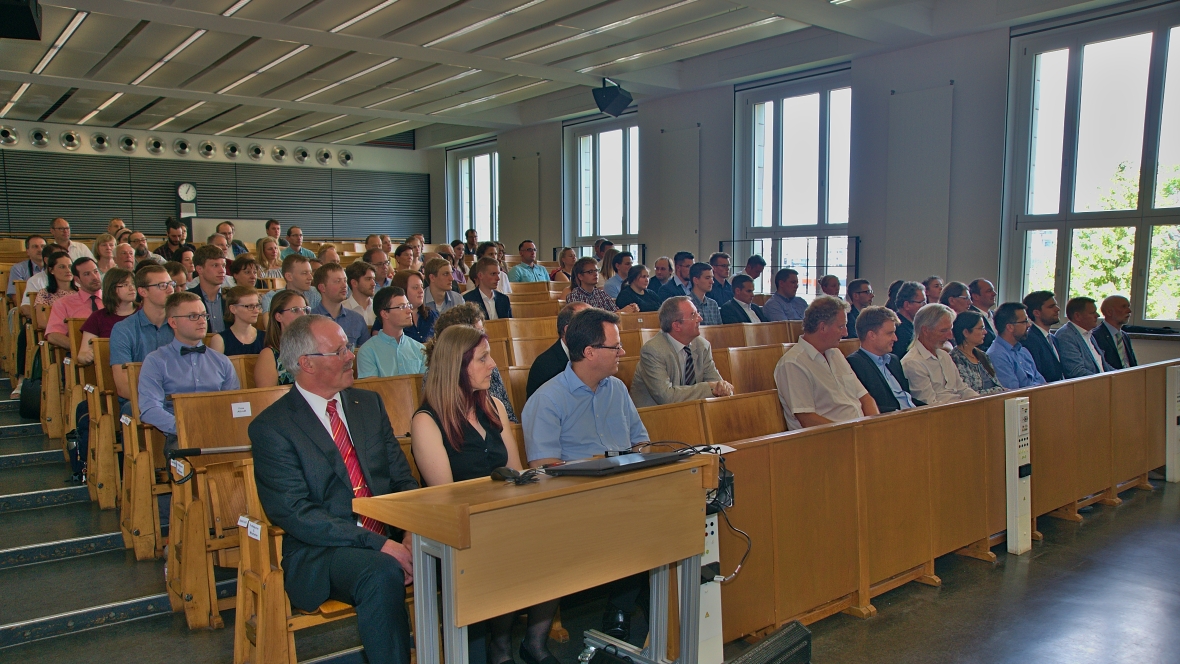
374, 583
629, 593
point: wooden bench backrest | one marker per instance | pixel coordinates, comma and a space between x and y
408, 450
41, 315
244, 367
402, 396
225, 485
535, 309
743, 416
20, 290
648, 333
795, 330
849, 346
206, 419
5, 271
516, 379
626, 372
682, 421
262, 322
721, 361
724, 336
132, 371
525, 298
752, 367
13, 245
501, 352
639, 320
518, 435
497, 329
104, 374
526, 350
764, 334
632, 341
524, 328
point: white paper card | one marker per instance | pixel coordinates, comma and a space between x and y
243, 521
178, 466
126, 419
254, 530
241, 409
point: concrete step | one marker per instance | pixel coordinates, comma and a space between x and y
57, 532
30, 458
13, 426
44, 498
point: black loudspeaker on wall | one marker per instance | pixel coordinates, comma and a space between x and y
613, 99
20, 19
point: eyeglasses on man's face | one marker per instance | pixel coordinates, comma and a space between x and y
616, 348
163, 285
407, 306
343, 351
864, 292
193, 317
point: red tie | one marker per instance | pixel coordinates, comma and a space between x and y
343, 443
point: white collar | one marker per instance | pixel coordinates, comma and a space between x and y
318, 403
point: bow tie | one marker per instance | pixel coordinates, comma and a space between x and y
185, 350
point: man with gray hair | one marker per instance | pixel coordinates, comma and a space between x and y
815, 383
677, 365
315, 449
932, 373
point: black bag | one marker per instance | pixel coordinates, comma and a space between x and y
30, 392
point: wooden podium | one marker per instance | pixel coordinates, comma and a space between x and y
504, 547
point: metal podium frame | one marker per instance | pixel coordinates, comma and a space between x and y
454, 639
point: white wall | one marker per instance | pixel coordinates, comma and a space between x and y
531, 187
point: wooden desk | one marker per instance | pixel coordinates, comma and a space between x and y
571, 533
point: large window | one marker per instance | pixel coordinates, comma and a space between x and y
605, 181
1095, 164
794, 156
474, 196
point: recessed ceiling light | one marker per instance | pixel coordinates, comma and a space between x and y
246, 122
360, 17
702, 38
602, 29
318, 124
61, 40
488, 98
355, 76
371, 131
184, 112
838, 2
101, 107
456, 77
274, 63
479, 24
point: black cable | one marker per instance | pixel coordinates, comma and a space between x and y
749, 547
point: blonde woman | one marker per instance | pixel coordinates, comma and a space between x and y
284, 308
240, 337
104, 252
565, 265
268, 258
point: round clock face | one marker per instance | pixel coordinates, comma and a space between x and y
187, 192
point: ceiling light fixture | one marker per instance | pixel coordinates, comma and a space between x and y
274, 63
246, 122
456, 77
318, 124
115, 97
355, 76
479, 24
489, 97
371, 131
628, 58
360, 17
184, 112
602, 29
838, 2
61, 40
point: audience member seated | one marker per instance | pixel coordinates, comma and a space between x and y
403, 258
637, 290
755, 264
741, 308
295, 246
722, 288
875, 365
133, 338
975, 366
492, 251
472, 243
956, 296
586, 288
909, 299
815, 383
552, 362
61, 236
185, 365
59, 280
1080, 355
1112, 340
469, 314
284, 309
485, 275
528, 269
329, 552
372, 241
104, 252
24, 270
362, 283
933, 285
860, 295
662, 273
391, 352
601, 246
440, 293
328, 254
240, 337
700, 275
174, 244
784, 304
332, 285
934, 377
448, 254
829, 284
386, 244
125, 257
679, 283
983, 298
891, 300
268, 258
298, 274
236, 247
274, 230
215, 240
381, 265
565, 265
459, 434
678, 364
178, 274
186, 259
1044, 313
244, 271
115, 225
210, 263
621, 264
424, 318
80, 303
118, 302
1013, 364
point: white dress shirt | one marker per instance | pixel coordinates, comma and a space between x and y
934, 378
489, 303
367, 312
1089, 337
1048, 334
37, 283
749, 311
809, 382
319, 406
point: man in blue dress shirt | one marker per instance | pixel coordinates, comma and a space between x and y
1014, 365
679, 284
785, 304
722, 290
331, 282
528, 269
391, 352
621, 264
135, 337
875, 365
210, 264
185, 365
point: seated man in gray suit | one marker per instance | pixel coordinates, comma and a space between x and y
741, 308
1075, 343
875, 365
678, 364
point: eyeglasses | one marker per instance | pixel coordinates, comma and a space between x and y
250, 307
959, 297
163, 285
1022, 322
616, 348
193, 317
864, 292
922, 301
303, 310
588, 272
407, 306
344, 350
696, 315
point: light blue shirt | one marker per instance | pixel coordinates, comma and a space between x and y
1014, 365
384, 356
304, 251
134, 337
312, 297
903, 397
565, 419
522, 272
166, 372
450, 301
20, 272
614, 286
780, 308
353, 324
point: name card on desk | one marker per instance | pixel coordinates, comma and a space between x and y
241, 409
254, 530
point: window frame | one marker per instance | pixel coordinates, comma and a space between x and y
821, 82
455, 226
573, 132
1017, 221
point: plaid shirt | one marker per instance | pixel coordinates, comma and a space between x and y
710, 311
596, 298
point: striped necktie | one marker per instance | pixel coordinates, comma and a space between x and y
360, 489
690, 374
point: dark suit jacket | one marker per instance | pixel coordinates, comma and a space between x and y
503, 306
546, 366
866, 370
732, 312
990, 331
905, 334
671, 289
1105, 341
1043, 356
853, 312
722, 292
304, 486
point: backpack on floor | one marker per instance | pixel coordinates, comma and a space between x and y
30, 392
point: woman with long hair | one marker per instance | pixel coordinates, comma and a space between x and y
933, 285
469, 314
956, 296
118, 302
60, 279
285, 307
607, 269
240, 337
424, 318
460, 433
268, 258
565, 265
635, 290
104, 252
891, 302
975, 367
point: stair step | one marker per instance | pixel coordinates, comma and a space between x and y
35, 477
61, 549
19, 428
35, 443
45, 498
59, 523
8, 405
30, 458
